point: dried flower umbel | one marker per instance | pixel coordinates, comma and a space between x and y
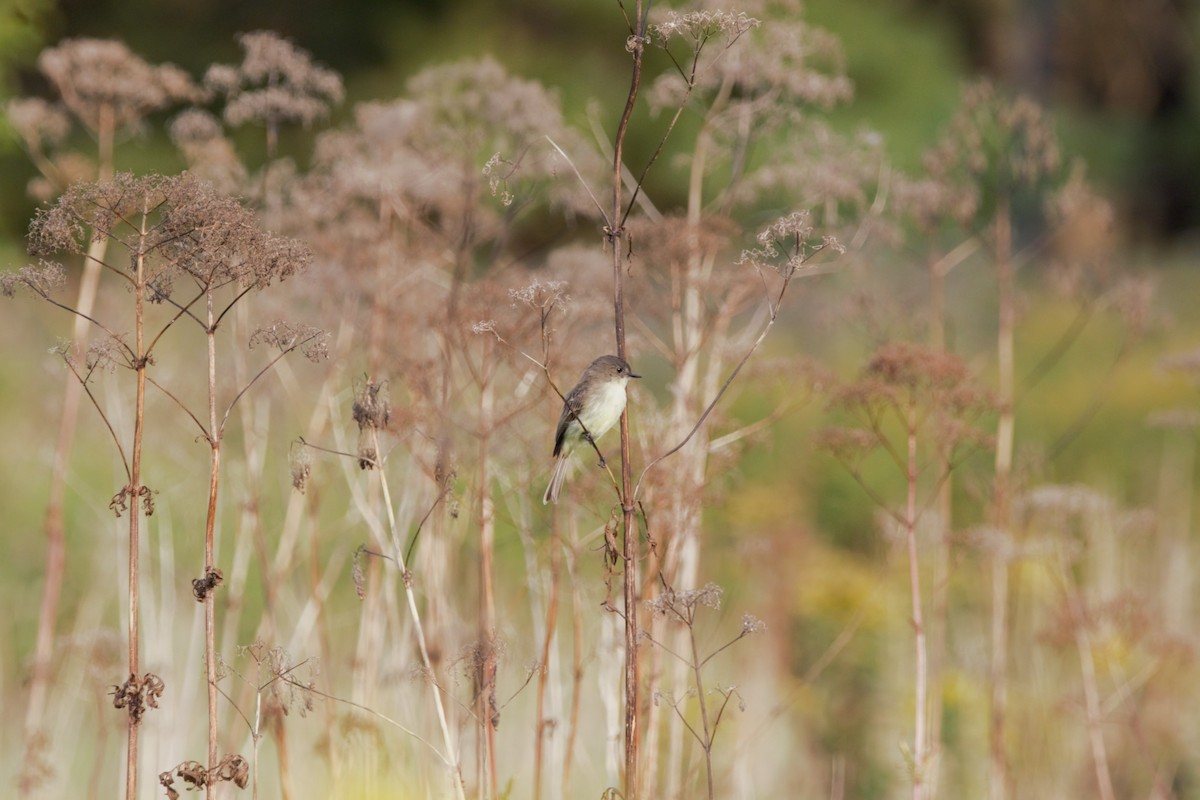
196, 233
104, 84
996, 149
276, 83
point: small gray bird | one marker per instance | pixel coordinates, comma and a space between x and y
592, 408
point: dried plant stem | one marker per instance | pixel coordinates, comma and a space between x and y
918, 622
487, 666
938, 267
133, 491
1087, 670
681, 565
706, 741
1005, 427
210, 618
576, 662
419, 630
629, 524
540, 722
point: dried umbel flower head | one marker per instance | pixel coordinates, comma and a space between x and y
191, 229
312, 342
930, 202
43, 280
698, 27
474, 110
39, 124
928, 392
683, 604
541, 295
106, 86
997, 147
218, 241
209, 155
787, 244
788, 60
276, 82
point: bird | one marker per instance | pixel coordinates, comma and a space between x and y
590, 411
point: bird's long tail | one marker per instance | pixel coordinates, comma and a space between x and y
556, 480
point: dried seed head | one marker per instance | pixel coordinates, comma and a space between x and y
372, 411
102, 82
312, 342
43, 280
276, 82
300, 461
39, 123
209, 155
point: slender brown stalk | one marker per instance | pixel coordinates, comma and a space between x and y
1091, 691
210, 619
918, 622
540, 722
707, 741
576, 666
406, 577
486, 666
1003, 486
941, 562
629, 524
134, 494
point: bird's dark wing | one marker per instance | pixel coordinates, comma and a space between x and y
572, 407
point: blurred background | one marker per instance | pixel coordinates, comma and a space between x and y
1097, 542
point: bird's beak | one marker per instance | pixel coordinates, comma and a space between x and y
634, 375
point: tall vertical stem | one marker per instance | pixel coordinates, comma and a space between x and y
629, 527
487, 603
918, 622
698, 679
419, 629
1005, 353
1091, 693
941, 563
210, 619
134, 494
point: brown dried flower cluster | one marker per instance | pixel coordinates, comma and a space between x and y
38, 122
103, 83
928, 390
372, 411
209, 154
43, 279
995, 147
276, 82
285, 691
138, 694
787, 244
191, 229
789, 63
684, 603
465, 131
312, 342
233, 768
700, 26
